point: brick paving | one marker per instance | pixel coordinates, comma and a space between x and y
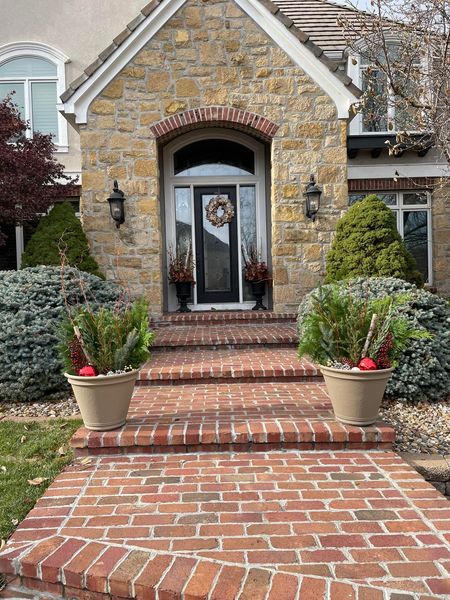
235, 484
290, 524
213, 416
233, 335
227, 365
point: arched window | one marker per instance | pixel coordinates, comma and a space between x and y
34, 75
214, 157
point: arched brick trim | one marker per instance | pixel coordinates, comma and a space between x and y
223, 116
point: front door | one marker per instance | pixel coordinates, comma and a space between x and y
216, 248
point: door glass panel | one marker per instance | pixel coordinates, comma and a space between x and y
216, 242
415, 233
183, 219
214, 158
247, 205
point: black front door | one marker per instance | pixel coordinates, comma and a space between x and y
216, 249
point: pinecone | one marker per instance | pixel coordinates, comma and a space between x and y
382, 360
77, 356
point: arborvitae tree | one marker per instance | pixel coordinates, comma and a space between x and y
367, 244
60, 230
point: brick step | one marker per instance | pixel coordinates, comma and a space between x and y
274, 526
223, 317
225, 365
225, 417
231, 336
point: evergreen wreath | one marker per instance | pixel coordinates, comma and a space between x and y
212, 208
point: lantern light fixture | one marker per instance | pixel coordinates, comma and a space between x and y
116, 205
312, 198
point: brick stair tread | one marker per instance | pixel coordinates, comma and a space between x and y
226, 363
225, 317
214, 416
226, 335
325, 525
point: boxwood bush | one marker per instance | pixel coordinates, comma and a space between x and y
423, 372
31, 310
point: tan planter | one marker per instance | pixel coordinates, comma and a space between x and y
103, 401
356, 395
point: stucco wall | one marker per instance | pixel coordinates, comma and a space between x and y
210, 53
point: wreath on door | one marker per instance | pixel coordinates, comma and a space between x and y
214, 206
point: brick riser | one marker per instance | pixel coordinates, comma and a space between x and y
222, 318
146, 382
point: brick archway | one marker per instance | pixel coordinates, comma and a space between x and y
214, 116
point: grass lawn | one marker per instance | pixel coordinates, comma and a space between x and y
29, 450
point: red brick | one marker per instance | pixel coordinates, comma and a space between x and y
74, 570
396, 541
439, 586
284, 587
256, 585
358, 571
31, 561
342, 541
145, 584
271, 557
51, 566
312, 589
123, 576
228, 584
98, 573
416, 569
201, 582
175, 579
341, 591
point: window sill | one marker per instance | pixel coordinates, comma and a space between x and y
61, 149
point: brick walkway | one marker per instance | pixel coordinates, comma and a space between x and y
341, 525
235, 416
235, 484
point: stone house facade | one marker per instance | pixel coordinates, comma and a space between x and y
196, 99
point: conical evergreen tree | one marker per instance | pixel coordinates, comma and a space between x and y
60, 228
367, 244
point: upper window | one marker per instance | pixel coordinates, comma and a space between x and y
34, 75
214, 157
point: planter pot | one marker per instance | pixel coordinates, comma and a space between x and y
356, 395
184, 290
103, 400
258, 290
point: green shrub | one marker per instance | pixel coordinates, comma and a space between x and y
31, 310
60, 228
367, 244
423, 372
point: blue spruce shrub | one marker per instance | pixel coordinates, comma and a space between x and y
423, 372
31, 310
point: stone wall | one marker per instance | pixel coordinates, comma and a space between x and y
211, 54
440, 220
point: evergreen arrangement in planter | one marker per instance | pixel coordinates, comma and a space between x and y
31, 310
60, 229
367, 244
357, 343
423, 369
102, 351
181, 273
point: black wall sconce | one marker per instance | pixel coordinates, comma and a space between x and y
312, 198
116, 207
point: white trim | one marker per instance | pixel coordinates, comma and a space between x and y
37, 49
79, 102
171, 181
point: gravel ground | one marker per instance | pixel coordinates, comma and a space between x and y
420, 426
45, 408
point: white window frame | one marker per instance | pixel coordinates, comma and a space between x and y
37, 50
171, 181
399, 208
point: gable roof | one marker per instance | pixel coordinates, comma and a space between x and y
319, 19
282, 29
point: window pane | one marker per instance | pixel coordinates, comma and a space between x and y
214, 157
388, 199
17, 98
247, 207
183, 219
374, 113
43, 101
28, 67
416, 237
415, 198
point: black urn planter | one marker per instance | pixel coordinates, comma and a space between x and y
258, 290
184, 289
